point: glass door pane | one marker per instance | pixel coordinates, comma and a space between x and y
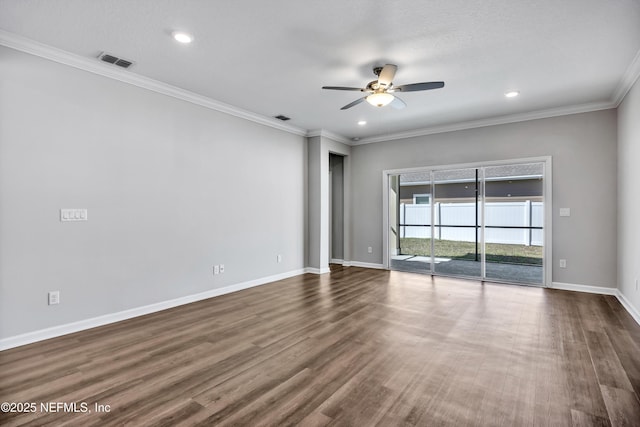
514, 222
414, 223
457, 243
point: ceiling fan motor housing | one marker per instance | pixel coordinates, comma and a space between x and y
381, 91
372, 86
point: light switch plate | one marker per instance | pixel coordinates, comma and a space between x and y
565, 211
73, 215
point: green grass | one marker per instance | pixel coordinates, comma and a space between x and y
496, 252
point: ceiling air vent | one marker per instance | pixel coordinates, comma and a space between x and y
283, 118
124, 63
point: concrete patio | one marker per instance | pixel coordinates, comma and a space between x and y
526, 274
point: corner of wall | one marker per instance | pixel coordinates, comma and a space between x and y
628, 174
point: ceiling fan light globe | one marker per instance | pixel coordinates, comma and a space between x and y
380, 99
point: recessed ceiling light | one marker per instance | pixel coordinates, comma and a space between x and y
512, 94
362, 122
182, 37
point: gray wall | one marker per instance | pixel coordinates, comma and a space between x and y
583, 147
172, 189
155, 175
319, 149
318, 166
336, 166
629, 196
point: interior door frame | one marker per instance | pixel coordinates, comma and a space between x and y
547, 263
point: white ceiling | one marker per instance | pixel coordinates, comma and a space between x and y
273, 57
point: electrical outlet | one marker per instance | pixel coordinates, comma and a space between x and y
563, 263
279, 258
370, 250
221, 268
54, 297
216, 269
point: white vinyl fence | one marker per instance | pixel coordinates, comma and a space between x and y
417, 218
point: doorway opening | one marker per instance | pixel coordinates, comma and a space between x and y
336, 209
485, 221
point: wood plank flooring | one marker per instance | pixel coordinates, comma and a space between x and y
356, 347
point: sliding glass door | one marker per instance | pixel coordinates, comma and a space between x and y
514, 211
458, 213
482, 222
413, 210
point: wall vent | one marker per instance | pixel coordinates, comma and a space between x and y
111, 59
283, 118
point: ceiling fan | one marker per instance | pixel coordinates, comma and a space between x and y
381, 91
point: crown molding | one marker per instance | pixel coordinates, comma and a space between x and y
328, 134
492, 121
628, 79
93, 65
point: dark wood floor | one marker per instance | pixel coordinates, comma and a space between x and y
356, 347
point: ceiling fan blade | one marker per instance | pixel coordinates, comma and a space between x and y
343, 88
387, 74
419, 86
397, 103
356, 102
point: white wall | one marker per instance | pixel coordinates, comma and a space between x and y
583, 148
629, 196
159, 178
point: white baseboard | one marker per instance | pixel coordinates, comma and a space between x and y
313, 270
603, 291
584, 288
367, 265
634, 312
341, 262
69, 328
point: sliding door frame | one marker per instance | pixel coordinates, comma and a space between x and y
547, 263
